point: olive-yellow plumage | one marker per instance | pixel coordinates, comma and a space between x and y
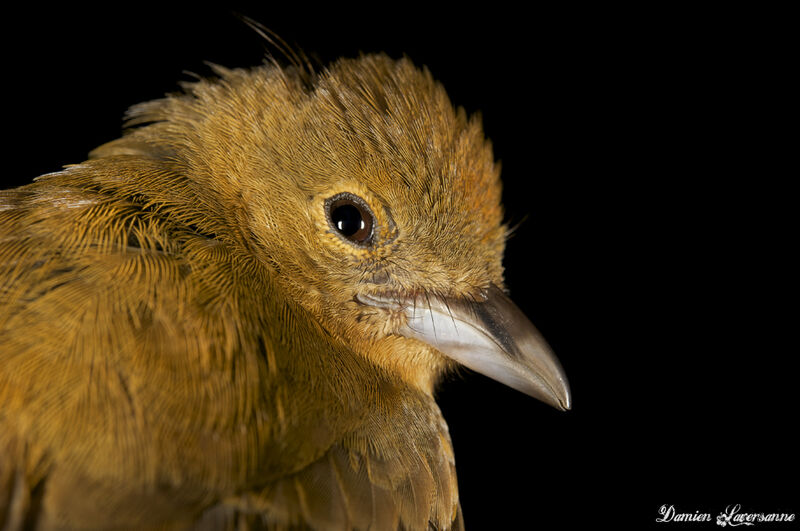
187, 339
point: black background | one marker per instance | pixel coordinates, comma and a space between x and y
641, 156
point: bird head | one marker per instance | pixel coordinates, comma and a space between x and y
373, 200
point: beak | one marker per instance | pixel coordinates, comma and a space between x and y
492, 337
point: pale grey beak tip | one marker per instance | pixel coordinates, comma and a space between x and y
565, 400
558, 396
564, 395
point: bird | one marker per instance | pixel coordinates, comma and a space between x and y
236, 315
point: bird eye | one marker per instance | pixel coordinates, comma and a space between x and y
350, 216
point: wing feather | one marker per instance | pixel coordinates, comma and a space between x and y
356, 486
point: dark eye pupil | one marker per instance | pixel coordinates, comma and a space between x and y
350, 216
347, 219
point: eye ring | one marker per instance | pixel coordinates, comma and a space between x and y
350, 218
